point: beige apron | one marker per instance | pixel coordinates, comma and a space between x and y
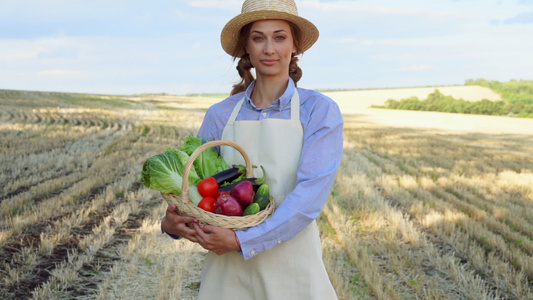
291, 270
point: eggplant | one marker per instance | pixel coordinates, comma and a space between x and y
255, 184
227, 175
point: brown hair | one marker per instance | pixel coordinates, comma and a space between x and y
244, 65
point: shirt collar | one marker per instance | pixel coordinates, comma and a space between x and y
279, 103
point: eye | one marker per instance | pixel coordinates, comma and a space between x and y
257, 38
280, 37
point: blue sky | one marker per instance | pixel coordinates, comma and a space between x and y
130, 46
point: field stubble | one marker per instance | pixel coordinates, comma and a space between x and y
434, 211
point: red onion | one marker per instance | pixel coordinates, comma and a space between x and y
243, 193
227, 205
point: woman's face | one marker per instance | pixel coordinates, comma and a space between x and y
270, 46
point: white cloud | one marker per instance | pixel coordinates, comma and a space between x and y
417, 68
522, 18
347, 40
217, 4
59, 73
427, 9
13, 57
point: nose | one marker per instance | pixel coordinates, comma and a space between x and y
269, 47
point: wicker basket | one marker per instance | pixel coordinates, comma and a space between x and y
187, 208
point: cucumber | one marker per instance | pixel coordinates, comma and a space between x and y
262, 196
252, 209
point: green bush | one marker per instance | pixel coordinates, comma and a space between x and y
517, 100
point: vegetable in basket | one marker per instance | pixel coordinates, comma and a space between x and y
208, 204
252, 209
230, 175
256, 182
208, 163
194, 195
243, 193
227, 205
164, 172
208, 187
262, 196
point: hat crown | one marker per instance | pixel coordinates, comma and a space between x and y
287, 6
255, 10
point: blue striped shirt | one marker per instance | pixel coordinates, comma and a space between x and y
322, 125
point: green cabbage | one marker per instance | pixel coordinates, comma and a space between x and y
164, 172
208, 163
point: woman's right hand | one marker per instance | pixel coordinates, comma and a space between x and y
175, 224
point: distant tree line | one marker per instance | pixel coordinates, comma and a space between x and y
517, 100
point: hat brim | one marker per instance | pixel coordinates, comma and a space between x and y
230, 32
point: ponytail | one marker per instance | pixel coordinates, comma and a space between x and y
294, 70
244, 67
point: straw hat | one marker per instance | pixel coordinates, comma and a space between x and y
254, 10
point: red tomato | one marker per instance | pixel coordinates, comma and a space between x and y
208, 203
208, 187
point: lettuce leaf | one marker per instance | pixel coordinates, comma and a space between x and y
209, 162
164, 172
190, 144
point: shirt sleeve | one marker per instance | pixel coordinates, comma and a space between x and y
319, 163
209, 129
216, 118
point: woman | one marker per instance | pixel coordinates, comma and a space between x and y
296, 135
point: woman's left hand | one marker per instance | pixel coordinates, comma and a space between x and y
217, 239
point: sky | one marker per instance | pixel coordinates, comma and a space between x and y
126, 47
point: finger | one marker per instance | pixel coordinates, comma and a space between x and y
208, 228
187, 219
172, 211
186, 230
192, 238
172, 208
200, 234
176, 217
189, 234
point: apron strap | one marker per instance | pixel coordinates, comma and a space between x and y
295, 108
235, 111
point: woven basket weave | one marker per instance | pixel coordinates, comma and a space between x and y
187, 208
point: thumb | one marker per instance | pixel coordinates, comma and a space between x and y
172, 208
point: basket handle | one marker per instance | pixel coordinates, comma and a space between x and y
203, 147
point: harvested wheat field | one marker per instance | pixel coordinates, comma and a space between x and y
425, 206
